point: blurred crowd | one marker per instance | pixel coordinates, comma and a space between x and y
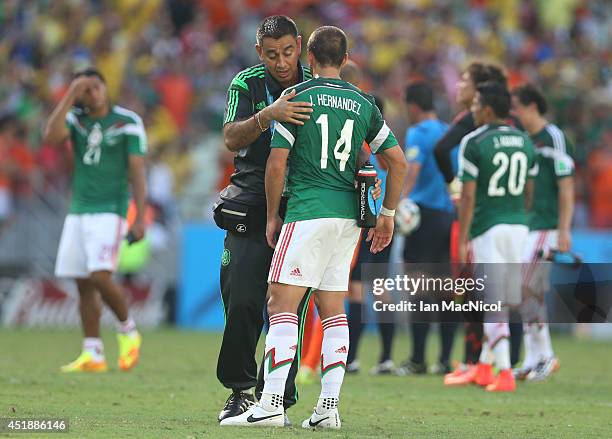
172, 61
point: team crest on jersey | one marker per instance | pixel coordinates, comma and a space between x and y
95, 136
225, 257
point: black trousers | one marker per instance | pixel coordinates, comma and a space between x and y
244, 283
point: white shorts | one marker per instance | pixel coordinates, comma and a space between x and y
536, 271
501, 250
315, 253
90, 242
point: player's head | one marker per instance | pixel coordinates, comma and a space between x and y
351, 73
475, 74
327, 48
419, 99
491, 103
528, 103
95, 96
278, 46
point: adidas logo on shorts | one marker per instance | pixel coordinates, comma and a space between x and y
296, 272
342, 350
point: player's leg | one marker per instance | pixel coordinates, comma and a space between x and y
103, 233
293, 263
509, 241
355, 304
546, 362
71, 263
330, 303
244, 270
530, 303
334, 354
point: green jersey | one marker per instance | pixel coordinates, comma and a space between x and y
554, 159
499, 159
101, 148
324, 150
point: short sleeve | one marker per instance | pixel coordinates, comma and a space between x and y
71, 121
468, 160
379, 136
533, 168
563, 157
414, 147
284, 135
239, 104
135, 136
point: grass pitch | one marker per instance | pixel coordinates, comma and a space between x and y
174, 393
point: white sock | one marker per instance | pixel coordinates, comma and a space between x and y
530, 360
95, 347
497, 339
334, 352
542, 342
501, 350
128, 327
281, 345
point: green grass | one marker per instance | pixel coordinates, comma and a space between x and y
174, 393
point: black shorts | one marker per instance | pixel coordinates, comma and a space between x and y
364, 256
430, 243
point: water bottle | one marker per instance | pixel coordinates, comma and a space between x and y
366, 206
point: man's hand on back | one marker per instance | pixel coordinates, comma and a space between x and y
283, 110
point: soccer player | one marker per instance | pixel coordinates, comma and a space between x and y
496, 166
253, 109
550, 219
317, 240
463, 124
430, 243
109, 146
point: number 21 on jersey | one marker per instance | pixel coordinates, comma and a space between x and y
344, 142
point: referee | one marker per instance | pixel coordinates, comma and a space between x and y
253, 104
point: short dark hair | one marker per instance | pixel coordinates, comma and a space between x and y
420, 94
487, 72
90, 71
530, 94
328, 45
495, 96
276, 26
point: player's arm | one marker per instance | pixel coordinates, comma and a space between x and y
466, 214
382, 234
276, 169
275, 182
566, 211
444, 146
56, 130
382, 141
242, 127
468, 174
137, 148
